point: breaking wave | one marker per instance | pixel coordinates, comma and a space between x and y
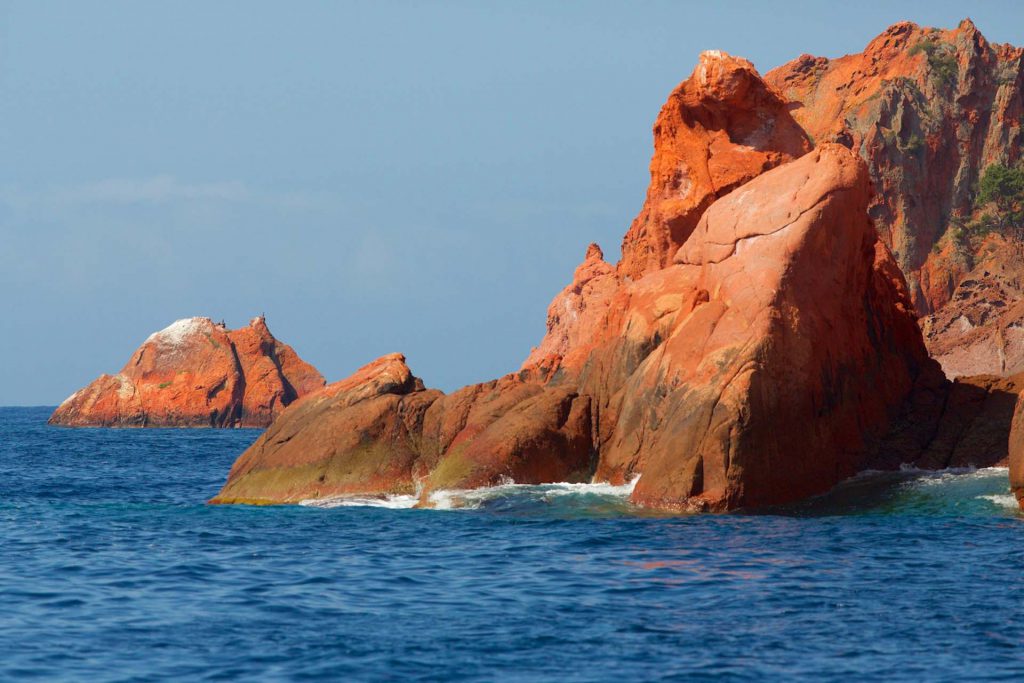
598, 495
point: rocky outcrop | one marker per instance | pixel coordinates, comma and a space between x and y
720, 128
959, 424
380, 431
273, 373
928, 110
757, 342
783, 345
354, 436
196, 373
761, 367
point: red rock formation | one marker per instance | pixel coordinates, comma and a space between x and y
196, 374
380, 431
274, 374
788, 346
757, 342
719, 128
973, 426
929, 110
781, 341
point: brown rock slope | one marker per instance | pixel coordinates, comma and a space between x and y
195, 373
928, 110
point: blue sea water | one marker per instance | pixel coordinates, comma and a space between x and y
113, 568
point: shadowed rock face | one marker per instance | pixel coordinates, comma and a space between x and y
195, 373
1016, 450
928, 110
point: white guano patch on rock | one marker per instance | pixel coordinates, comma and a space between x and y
177, 332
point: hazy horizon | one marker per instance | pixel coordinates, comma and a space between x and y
373, 177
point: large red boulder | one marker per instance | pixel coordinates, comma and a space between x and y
196, 373
782, 345
358, 435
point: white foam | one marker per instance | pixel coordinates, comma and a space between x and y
937, 477
395, 502
471, 499
178, 331
1003, 500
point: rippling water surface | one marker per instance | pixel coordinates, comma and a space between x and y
113, 568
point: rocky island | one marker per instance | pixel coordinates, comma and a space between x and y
759, 340
196, 373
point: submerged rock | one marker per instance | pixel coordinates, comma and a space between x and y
195, 373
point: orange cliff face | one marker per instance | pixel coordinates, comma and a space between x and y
196, 373
756, 344
720, 128
928, 110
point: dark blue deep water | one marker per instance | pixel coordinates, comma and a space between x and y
113, 568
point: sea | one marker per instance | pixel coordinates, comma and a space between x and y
114, 568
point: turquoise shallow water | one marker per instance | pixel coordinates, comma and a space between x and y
113, 568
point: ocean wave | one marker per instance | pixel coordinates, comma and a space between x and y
472, 499
394, 502
913, 470
1004, 500
956, 471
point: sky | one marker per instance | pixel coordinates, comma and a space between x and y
373, 176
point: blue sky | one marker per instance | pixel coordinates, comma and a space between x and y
376, 177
